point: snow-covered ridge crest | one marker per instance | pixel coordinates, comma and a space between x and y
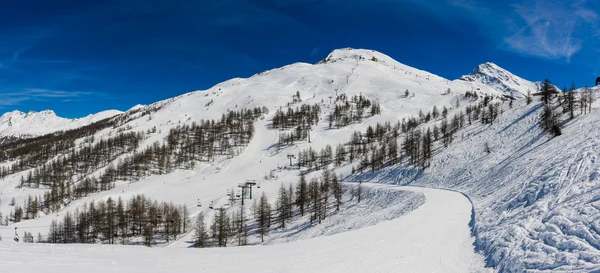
32, 123
501, 79
347, 70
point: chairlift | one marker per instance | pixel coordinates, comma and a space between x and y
258, 186
199, 203
211, 205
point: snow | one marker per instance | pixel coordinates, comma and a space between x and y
433, 238
535, 199
500, 79
19, 124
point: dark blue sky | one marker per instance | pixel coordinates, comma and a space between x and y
81, 57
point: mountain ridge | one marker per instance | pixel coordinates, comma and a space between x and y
525, 203
485, 75
501, 79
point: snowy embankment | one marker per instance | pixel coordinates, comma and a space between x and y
377, 204
536, 198
433, 238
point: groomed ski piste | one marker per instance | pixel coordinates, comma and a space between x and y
530, 205
433, 238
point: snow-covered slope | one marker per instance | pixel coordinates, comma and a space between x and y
500, 79
534, 198
433, 238
19, 124
345, 71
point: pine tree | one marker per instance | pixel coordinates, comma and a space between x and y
302, 194
570, 101
148, 234
547, 90
550, 122
185, 217
200, 233
224, 227
528, 98
264, 216
282, 206
359, 191
336, 189
315, 200
242, 228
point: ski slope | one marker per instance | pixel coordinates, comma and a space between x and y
433, 238
535, 198
349, 71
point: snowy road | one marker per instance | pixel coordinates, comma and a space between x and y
433, 238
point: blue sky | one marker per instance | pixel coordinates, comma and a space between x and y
81, 57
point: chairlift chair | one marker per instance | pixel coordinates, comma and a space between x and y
258, 186
211, 205
199, 204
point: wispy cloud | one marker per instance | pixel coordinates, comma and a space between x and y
17, 41
547, 29
40, 94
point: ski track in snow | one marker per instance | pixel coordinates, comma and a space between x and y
433, 238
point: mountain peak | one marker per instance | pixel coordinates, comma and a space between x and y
501, 79
491, 69
354, 53
47, 113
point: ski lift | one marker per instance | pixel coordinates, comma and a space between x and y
211, 205
258, 186
237, 194
16, 235
199, 204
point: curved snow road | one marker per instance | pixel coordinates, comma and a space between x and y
433, 238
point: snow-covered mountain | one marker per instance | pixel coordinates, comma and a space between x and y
533, 200
501, 79
19, 124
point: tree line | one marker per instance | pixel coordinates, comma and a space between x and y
68, 177
116, 221
351, 111
316, 199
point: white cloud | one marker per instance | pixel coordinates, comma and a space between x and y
547, 29
40, 94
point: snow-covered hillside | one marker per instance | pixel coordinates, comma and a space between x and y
19, 124
534, 197
433, 238
502, 80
